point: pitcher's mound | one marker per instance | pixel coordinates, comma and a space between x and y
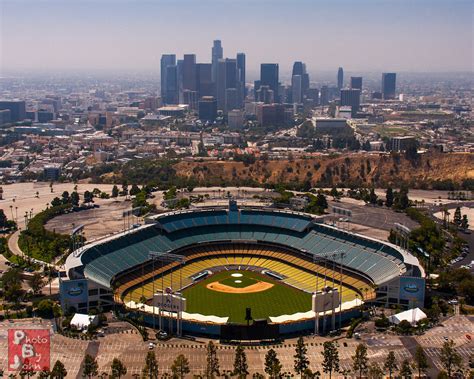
256, 287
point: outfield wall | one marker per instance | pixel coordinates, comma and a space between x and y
285, 330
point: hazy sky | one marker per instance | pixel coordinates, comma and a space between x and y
360, 35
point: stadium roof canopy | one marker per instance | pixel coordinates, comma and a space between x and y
103, 260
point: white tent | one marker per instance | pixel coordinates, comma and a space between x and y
412, 316
81, 321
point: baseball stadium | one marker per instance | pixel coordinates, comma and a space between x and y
240, 273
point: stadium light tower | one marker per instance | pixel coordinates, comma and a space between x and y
329, 257
168, 258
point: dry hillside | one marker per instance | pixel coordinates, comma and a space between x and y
367, 169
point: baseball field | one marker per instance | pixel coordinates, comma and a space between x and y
229, 293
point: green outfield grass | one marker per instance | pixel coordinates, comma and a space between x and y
278, 300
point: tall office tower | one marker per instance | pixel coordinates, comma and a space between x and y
205, 86
179, 71
269, 77
388, 85
299, 68
356, 82
189, 72
217, 53
232, 100
226, 78
351, 97
171, 95
340, 78
208, 108
296, 89
241, 76
166, 60
313, 96
17, 109
324, 95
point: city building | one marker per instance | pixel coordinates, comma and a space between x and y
208, 108
205, 85
174, 111
296, 89
299, 68
232, 99
189, 72
45, 116
265, 95
52, 172
167, 60
271, 114
171, 85
401, 143
241, 77
356, 82
351, 97
217, 53
330, 124
5, 116
340, 78
388, 85
190, 98
235, 119
17, 109
226, 78
313, 96
269, 77
324, 95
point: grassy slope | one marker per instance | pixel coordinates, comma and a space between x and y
276, 301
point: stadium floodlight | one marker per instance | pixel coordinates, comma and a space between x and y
167, 258
330, 256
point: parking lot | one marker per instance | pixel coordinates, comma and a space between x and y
122, 341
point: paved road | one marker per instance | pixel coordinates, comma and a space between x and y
411, 345
468, 237
13, 244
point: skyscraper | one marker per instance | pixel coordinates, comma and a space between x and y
241, 76
217, 53
324, 95
388, 85
299, 68
171, 85
207, 108
205, 86
269, 77
166, 60
356, 82
296, 89
226, 78
340, 78
189, 72
17, 109
351, 97
179, 75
